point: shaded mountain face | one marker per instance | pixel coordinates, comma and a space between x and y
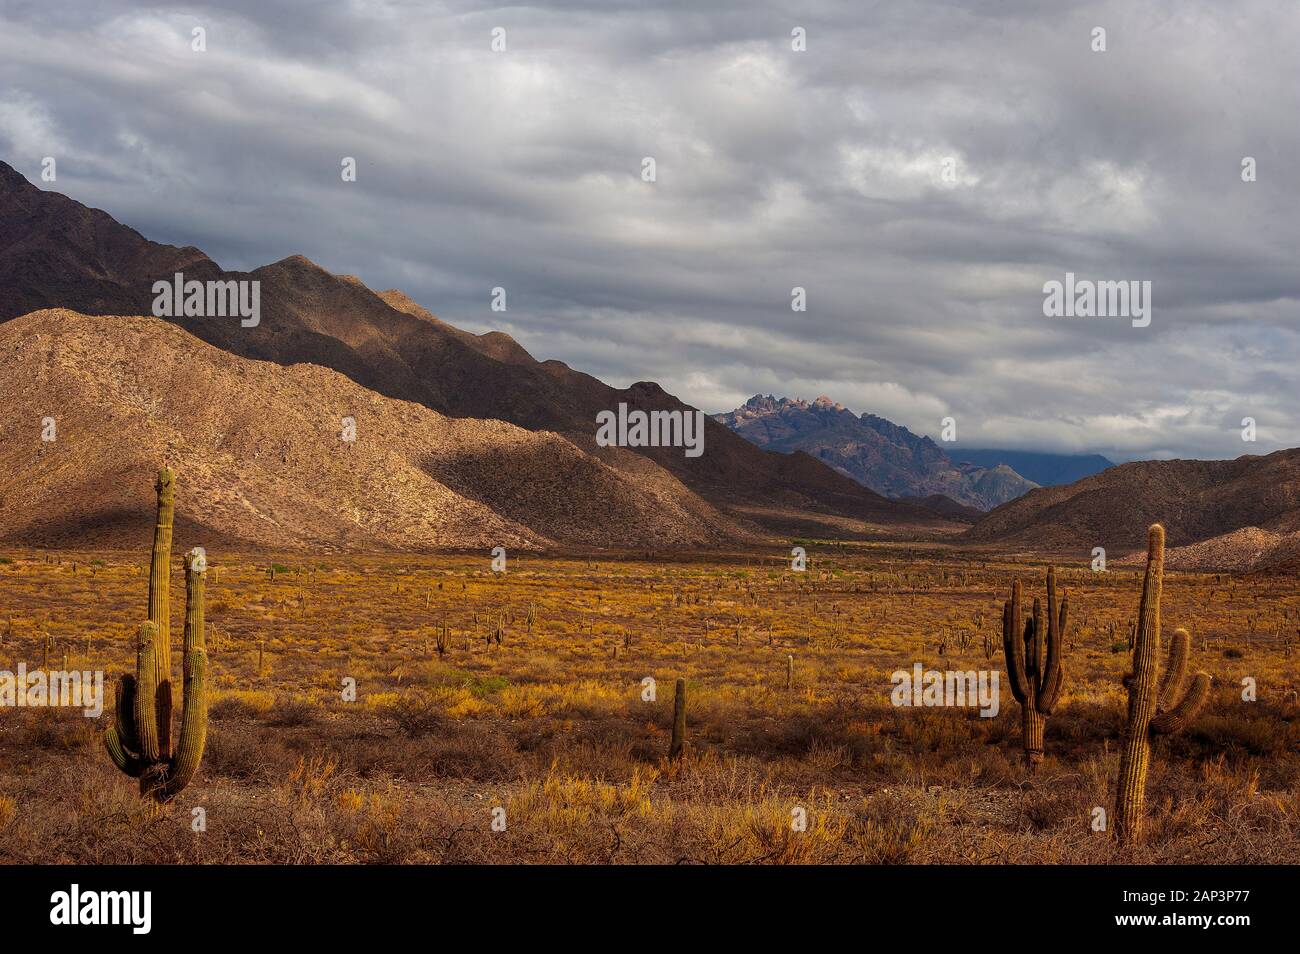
1046, 470
262, 460
55, 252
877, 453
1196, 500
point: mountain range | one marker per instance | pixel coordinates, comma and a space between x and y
877, 453
59, 257
466, 440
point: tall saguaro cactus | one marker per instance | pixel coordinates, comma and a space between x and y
140, 743
1034, 662
1150, 713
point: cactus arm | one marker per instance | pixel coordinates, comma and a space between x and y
119, 738
160, 605
1050, 690
145, 711
194, 714
124, 759
1015, 660
1013, 646
1171, 687
1053, 678
1035, 644
1185, 712
126, 713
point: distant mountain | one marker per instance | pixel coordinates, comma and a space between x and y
1046, 470
877, 453
1196, 500
57, 253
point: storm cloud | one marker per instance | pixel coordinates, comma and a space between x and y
775, 168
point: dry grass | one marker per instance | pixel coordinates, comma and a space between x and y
550, 725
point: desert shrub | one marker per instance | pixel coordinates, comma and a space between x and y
291, 710
246, 755
416, 714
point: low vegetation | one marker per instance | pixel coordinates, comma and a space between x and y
427, 709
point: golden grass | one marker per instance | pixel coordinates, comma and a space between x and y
553, 726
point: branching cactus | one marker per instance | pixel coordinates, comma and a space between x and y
1034, 662
140, 743
1150, 713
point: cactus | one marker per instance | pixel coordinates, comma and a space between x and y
140, 742
678, 746
1151, 713
1034, 663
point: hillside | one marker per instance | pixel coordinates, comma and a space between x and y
58, 253
260, 458
1196, 500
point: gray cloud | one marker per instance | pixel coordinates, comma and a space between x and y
819, 169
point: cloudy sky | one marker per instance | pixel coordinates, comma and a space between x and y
775, 168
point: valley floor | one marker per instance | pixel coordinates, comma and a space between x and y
555, 724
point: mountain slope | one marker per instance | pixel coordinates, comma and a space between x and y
261, 461
1196, 500
875, 452
395, 348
